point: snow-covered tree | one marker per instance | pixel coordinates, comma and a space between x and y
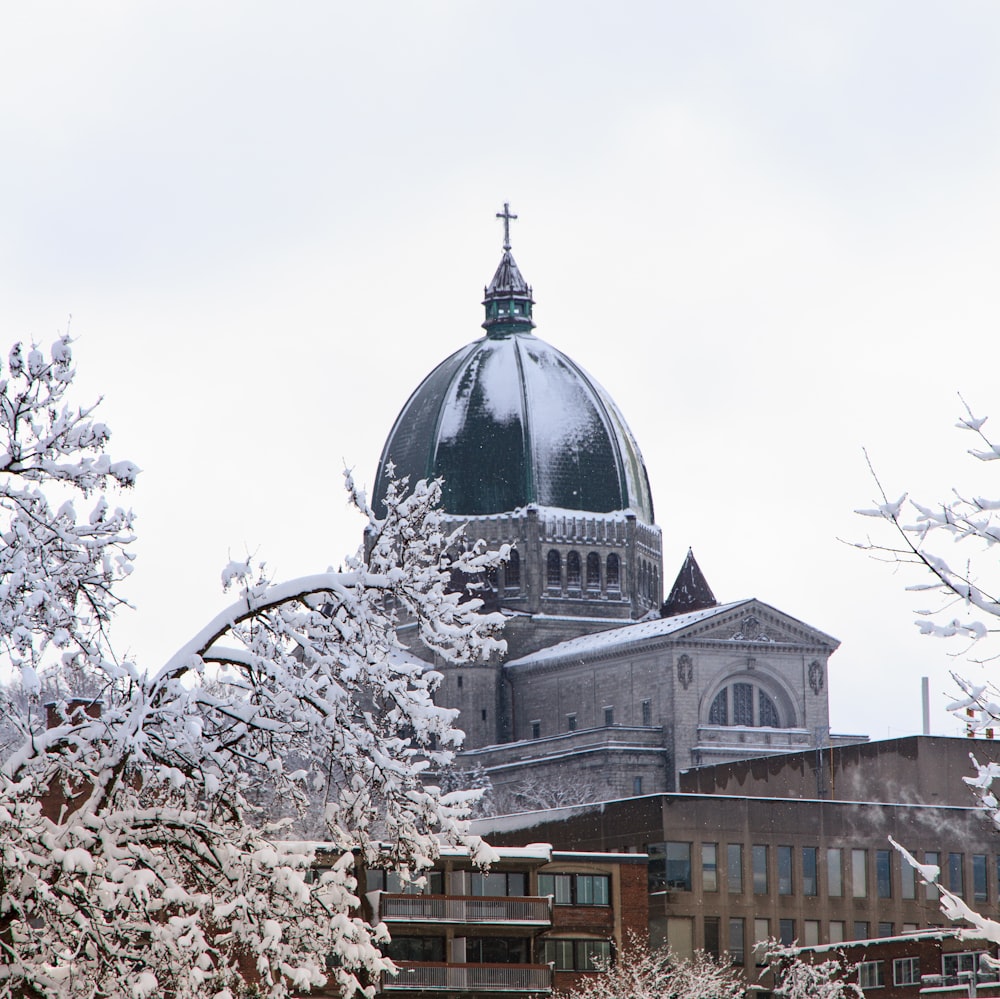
643, 973
834, 978
952, 543
132, 861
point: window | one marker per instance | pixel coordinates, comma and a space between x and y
953, 965
956, 873
859, 873
834, 872
573, 571
393, 882
906, 971
536, 729
571, 723
594, 572
500, 884
416, 948
933, 858
907, 880
741, 695
609, 717
496, 950
614, 574
761, 934
810, 932
883, 874
786, 932
836, 931
743, 704
459, 679
737, 952
734, 868
767, 713
871, 974
577, 955
709, 867
552, 570
512, 572
678, 858
647, 713
637, 785
718, 714
979, 893
711, 924
759, 854
885, 929
860, 929
575, 889
809, 885
784, 870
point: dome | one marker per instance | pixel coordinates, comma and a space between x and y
509, 420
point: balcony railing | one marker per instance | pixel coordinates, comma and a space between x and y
415, 977
463, 909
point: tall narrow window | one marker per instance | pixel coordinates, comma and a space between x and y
512, 572
809, 886
859, 873
907, 881
709, 867
647, 713
956, 873
571, 723
836, 931
734, 868
737, 933
679, 866
593, 572
759, 853
552, 570
933, 858
768, 713
742, 704
536, 729
573, 571
711, 924
786, 932
784, 870
614, 581
979, 892
810, 932
761, 934
834, 872
718, 713
609, 716
883, 873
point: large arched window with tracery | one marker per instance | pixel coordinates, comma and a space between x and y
613, 573
745, 704
593, 572
573, 571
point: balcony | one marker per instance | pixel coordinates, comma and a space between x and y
414, 977
463, 909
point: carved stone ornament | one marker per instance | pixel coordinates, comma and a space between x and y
816, 676
685, 670
751, 630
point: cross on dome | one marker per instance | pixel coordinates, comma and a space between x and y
506, 215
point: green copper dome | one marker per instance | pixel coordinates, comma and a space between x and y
509, 420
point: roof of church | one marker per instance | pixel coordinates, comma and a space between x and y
607, 641
508, 420
690, 591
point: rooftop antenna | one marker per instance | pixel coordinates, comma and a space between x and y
925, 696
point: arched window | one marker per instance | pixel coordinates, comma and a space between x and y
614, 575
552, 570
573, 571
743, 704
718, 713
593, 571
767, 713
512, 572
735, 703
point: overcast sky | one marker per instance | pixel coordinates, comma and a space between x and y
770, 230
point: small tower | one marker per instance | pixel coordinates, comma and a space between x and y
690, 591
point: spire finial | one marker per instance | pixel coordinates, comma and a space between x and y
506, 215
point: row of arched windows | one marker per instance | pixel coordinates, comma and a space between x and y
582, 575
734, 705
649, 581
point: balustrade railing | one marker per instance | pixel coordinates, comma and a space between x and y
464, 909
416, 977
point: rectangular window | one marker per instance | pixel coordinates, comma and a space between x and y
933, 858
416, 949
737, 953
784, 870
786, 932
559, 886
679, 866
809, 886
871, 974
647, 713
609, 716
859, 873
956, 873
680, 936
712, 935
761, 934
592, 889
496, 950
907, 879
834, 872
810, 932
883, 873
952, 965
885, 929
734, 868
637, 785
836, 931
860, 929
759, 869
536, 730
577, 955
500, 884
570, 723
906, 971
709, 867
979, 892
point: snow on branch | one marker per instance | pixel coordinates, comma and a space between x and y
144, 826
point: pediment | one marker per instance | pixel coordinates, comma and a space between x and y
753, 622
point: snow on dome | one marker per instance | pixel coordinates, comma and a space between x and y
509, 420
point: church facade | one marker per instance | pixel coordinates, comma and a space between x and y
606, 690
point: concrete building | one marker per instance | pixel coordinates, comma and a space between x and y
606, 688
